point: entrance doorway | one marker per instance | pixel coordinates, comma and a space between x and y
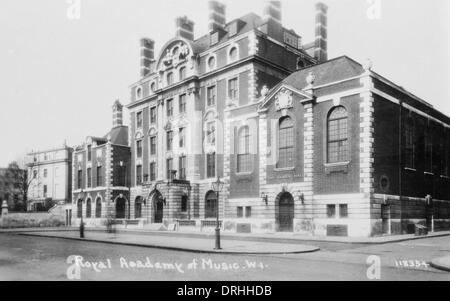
285, 216
120, 208
158, 205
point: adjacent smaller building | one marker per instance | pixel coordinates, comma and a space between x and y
101, 175
49, 177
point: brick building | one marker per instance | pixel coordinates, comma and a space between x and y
101, 175
303, 144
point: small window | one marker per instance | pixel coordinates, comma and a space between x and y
212, 63
45, 173
211, 165
343, 210
248, 212
233, 55
233, 89
214, 38
153, 146
169, 109
153, 115
169, 140
169, 168
153, 87
139, 93
240, 212
139, 120
89, 153
182, 103
169, 78
152, 171
232, 29
139, 175
139, 149
211, 96
331, 211
182, 73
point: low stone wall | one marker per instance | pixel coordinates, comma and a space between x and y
31, 220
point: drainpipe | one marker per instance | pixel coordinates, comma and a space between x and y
400, 163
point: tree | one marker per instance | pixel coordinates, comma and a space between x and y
20, 187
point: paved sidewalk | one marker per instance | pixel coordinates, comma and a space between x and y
197, 245
442, 263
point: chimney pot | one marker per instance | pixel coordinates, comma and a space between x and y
321, 47
184, 28
147, 56
217, 15
272, 11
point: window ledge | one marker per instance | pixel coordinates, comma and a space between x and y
336, 167
284, 169
429, 173
243, 174
445, 177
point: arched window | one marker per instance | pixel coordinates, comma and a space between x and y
243, 154
409, 143
182, 73
79, 208
211, 205
138, 207
153, 87
286, 143
88, 208
98, 208
337, 136
169, 78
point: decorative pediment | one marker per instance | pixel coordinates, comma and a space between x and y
139, 135
174, 54
168, 126
183, 122
153, 131
283, 99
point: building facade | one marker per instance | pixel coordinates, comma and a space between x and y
302, 144
101, 176
49, 177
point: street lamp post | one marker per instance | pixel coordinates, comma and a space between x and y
82, 223
217, 187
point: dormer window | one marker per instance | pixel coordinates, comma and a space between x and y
291, 39
214, 38
233, 28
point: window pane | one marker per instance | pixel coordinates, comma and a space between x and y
331, 211
343, 210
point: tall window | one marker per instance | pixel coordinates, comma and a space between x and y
233, 89
169, 140
153, 145
88, 208
286, 143
182, 136
409, 143
98, 208
80, 179
428, 151
139, 148
211, 165
182, 103
182, 168
169, 168
45, 173
99, 176
337, 136
169, 78
138, 174
79, 208
89, 177
89, 153
152, 171
184, 203
45, 191
153, 115
182, 73
211, 96
169, 108
139, 120
243, 154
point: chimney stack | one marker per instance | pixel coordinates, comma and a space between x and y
217, 17
147, 56
272, 11
117, 114
320, 45
184, 28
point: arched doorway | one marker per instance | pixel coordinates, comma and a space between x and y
285, 212
158, 206
121, 205
211, 205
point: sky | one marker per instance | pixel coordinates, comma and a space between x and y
62, 68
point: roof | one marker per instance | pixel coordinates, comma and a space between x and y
327, 72
119, 135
